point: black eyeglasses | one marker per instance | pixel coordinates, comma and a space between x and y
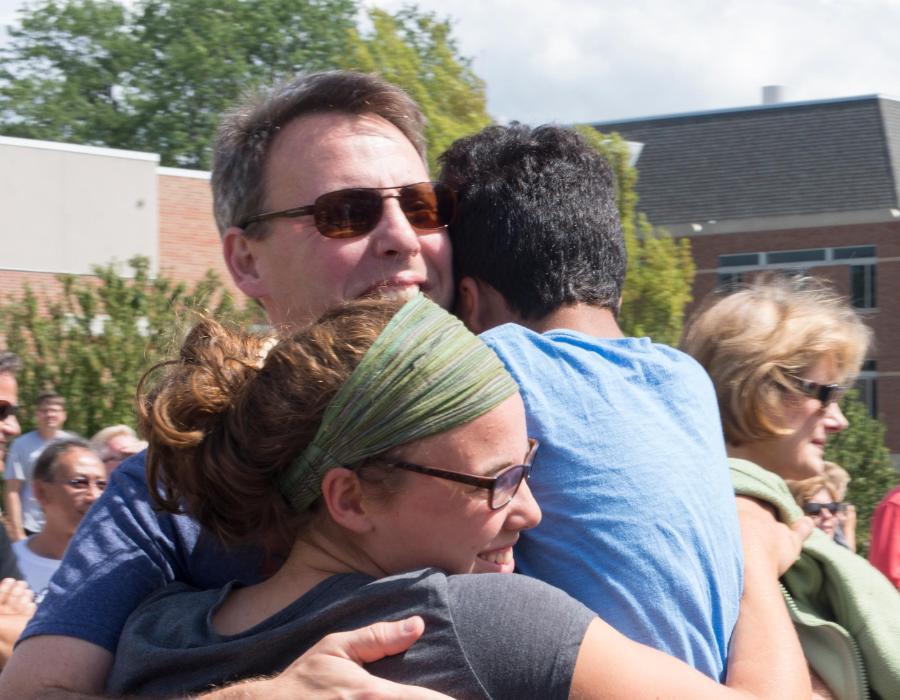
7, 409
825, 393
355, 211
503, 487
816, 508
82, 483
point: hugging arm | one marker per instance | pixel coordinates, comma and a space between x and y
329, 670
765, 658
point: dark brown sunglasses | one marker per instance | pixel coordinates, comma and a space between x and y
357, 210
7, 409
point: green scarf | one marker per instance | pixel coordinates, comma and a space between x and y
424, 374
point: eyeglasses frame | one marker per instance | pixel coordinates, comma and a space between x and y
484, 482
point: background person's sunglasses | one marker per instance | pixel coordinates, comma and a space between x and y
816, 508
7, 409
357, 210
825, 393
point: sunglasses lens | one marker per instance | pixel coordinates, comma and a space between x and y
427, 206
347, 213
6, 410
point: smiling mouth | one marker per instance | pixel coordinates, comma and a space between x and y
501, 557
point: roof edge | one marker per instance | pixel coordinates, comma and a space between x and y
750, 108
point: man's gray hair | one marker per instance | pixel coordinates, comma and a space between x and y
246, 133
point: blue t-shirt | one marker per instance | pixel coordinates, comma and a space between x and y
639, 515
123, 551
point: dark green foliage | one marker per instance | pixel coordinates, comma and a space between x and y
94, 342
660, 269
860, 449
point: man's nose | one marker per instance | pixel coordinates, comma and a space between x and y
394, 236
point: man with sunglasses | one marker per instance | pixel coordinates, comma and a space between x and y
15, 597
68, 478
321, 195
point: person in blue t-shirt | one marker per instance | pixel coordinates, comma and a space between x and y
639, 512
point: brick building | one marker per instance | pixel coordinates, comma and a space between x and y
812, 187
70, 207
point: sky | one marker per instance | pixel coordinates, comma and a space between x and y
600, 60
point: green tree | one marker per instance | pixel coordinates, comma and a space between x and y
860, 449
660, 268
93, 342
417, 52
158, 76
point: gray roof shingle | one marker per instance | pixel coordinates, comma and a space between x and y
778, 160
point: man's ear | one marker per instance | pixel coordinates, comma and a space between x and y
39, 491
343, 497
481, 307
468, 303
241, 263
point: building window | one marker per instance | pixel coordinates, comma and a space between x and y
729, 281
862, 286
867, 386
795, 256
854, 252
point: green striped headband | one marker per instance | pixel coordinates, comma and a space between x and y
424, 374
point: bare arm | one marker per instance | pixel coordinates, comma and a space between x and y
765, 659
16, 608
329, 670
12, 503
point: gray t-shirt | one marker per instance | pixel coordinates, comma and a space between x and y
486, 635
23, 454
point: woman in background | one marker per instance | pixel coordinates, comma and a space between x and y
781, 352
818, 499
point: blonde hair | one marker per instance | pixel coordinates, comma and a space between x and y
753, 340
804, 489
838, 477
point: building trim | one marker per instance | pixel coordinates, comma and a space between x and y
735, 110
782, 223
75, 148
183, 172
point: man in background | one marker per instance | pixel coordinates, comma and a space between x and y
68, 478
115, 444
16, 605
24, 516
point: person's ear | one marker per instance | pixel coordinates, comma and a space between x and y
39, 491
343, 497
469, 304
241, 263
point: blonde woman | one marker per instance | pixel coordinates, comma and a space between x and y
781, 353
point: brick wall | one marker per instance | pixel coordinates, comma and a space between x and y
188, 238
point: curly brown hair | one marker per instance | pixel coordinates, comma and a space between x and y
229, 415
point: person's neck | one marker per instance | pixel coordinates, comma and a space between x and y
49, 543
48, 433
595, 321
314, 557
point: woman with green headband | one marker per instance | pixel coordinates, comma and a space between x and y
387, 445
